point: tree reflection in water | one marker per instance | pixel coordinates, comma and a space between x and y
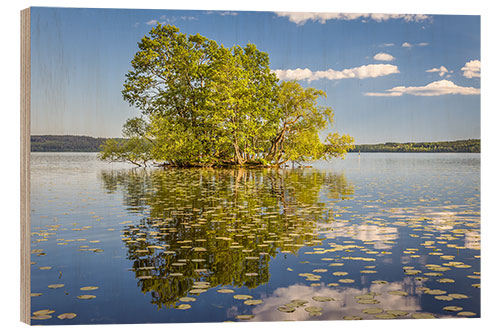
203, 228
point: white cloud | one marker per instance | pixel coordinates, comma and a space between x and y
441, 70
294, 74
362, 72
188, 18
472, 69
344, 303
437, 88
164, 20
227, 13
408, 45
301, 18
155, 22
383, 57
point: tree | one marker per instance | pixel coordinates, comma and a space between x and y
134, 150
300, 121
204, 104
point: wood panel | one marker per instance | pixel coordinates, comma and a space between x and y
25, 165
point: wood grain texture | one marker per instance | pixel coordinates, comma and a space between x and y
25, 165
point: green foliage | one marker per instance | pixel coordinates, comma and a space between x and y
135, 150
206, 105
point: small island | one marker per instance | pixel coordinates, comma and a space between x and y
205, 105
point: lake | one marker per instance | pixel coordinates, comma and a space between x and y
374, 236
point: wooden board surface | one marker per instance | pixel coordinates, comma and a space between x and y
25, 165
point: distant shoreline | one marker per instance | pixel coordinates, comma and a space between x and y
88, 144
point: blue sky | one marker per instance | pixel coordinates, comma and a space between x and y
387, 77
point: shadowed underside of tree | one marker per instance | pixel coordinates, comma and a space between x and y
204, 104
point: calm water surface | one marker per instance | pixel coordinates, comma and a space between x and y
373, 236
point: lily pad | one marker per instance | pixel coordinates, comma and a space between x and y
373, 310
55, 286
187, 299
43, 312
368, 301
299, 302
89, 288
352, 318
398, 293
41, 317
435, 292
315, 313
466, 314
313, 309
423, 315
322, 298
244, 317
68, 315
385, 316
225, 291
397, 313
453, 308
379, 282
86, 297
197, 291
367, 271
443, 298
252, 302
286, 309
183, 306
242, 297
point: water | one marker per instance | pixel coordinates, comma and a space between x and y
375, 233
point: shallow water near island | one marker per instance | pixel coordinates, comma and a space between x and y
374, 236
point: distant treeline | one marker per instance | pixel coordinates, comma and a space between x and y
65, 143
78, 143
459, 146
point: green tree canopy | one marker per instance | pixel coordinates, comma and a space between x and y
204, 104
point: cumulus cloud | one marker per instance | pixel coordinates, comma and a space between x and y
362, 72
406, 44
441, 70
437, 88
301, 18
472, 69
383, 57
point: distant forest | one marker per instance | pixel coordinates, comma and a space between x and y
78, 143
459, 146
65, 143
